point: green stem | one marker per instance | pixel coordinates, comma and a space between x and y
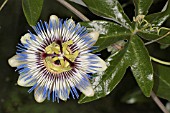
160, 61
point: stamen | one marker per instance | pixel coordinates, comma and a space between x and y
71, 63
58, 57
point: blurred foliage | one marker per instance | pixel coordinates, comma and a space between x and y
13, 24
162, 81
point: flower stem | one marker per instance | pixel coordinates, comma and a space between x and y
158, 102
3, 4
82, 17
74, 10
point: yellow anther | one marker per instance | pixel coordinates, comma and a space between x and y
76, 53
66, 52
65, 44
48, 49
69, 42
55, 49
62, 62
73, 56
66, 64
54, 59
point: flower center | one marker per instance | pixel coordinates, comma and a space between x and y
58, 57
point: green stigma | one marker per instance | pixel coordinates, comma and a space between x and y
59, 58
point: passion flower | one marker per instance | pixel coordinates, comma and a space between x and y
56, 60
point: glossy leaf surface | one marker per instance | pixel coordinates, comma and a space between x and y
134, 55
32, 10
109, 32
103, 84
142, 6
110, 9
157, 19
152, 35
141, 65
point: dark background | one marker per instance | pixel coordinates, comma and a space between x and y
16, 99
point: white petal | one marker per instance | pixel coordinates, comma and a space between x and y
62, 97
25, 82
100, 63
88, 91
64, 91
83, 84
94, 35
14, 62
71, 22
38, 94
25, 37
87, 61
83, 45
62, 88
54, 19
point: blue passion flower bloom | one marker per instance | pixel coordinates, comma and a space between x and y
56, 61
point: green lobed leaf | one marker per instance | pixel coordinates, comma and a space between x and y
152, 35
162, 81
103, 84
110, 9
134, 55
109, 32
157, 19
141, 65
32, 10
142, 6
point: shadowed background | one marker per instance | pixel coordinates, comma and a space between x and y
16, 99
